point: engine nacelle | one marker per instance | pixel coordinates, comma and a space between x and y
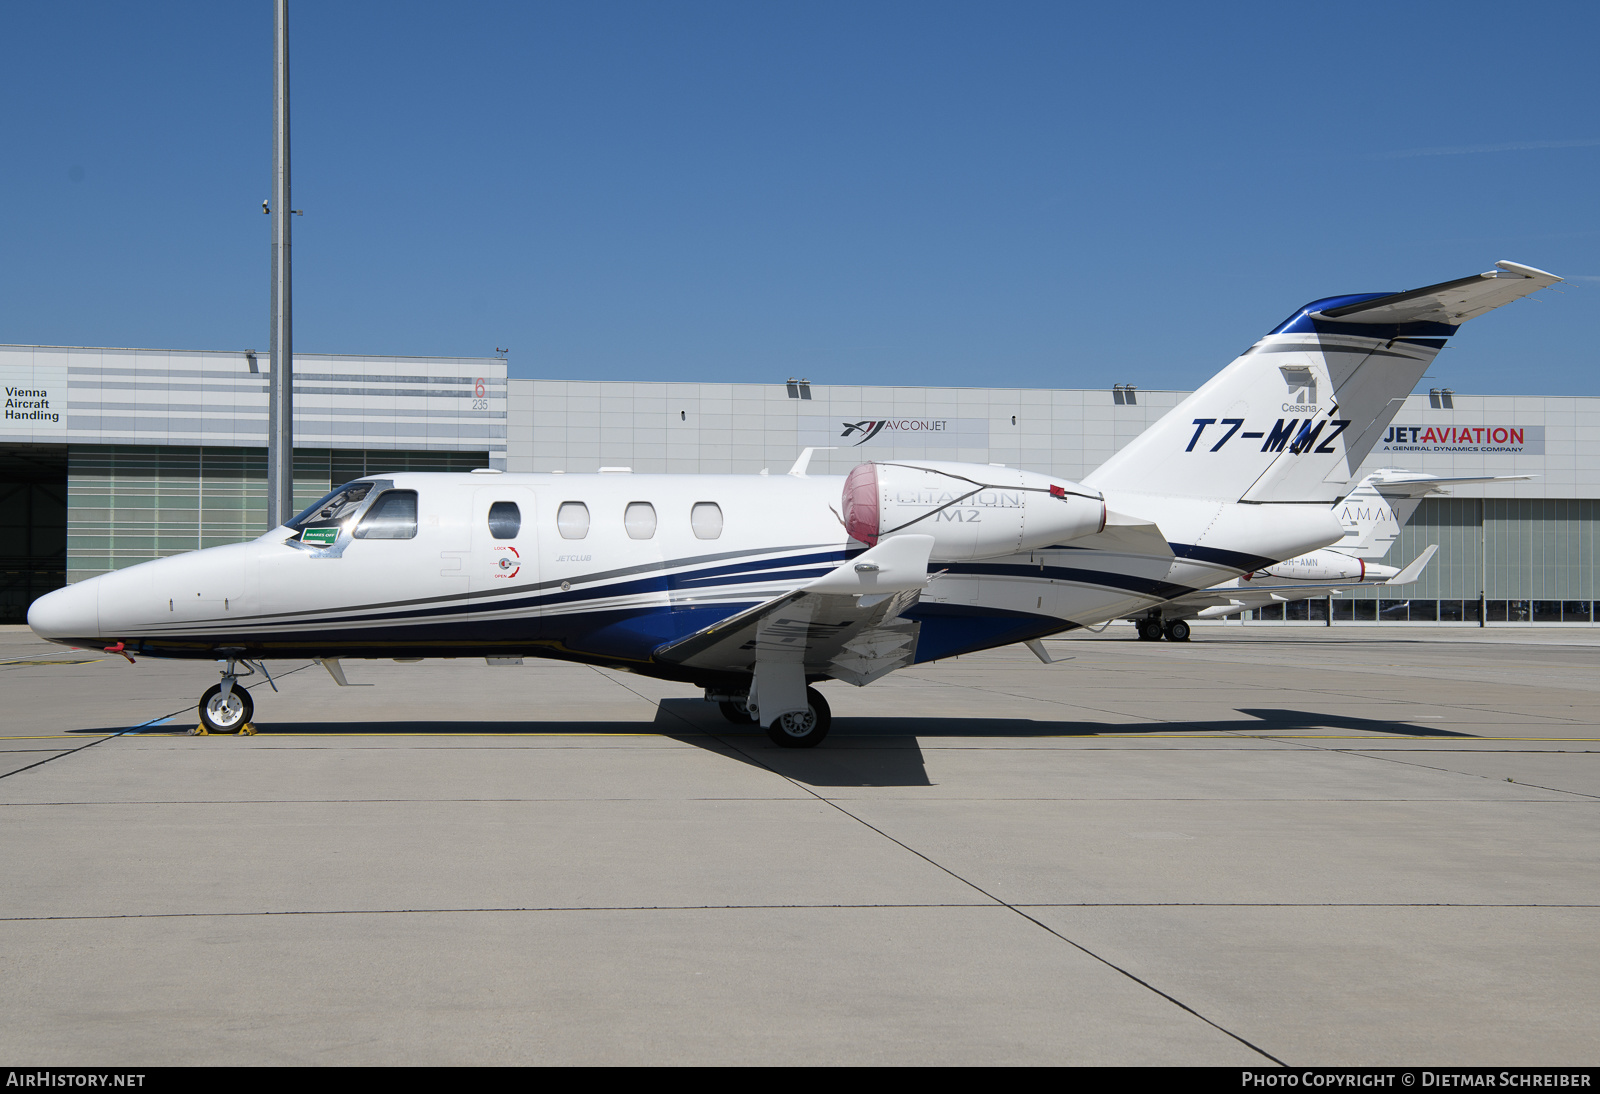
971, 510
1321, 567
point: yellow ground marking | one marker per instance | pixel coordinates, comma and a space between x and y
1375, 737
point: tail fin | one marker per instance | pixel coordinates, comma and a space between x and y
1375, 511
1292, 419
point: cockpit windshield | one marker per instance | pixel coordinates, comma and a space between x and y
335, 509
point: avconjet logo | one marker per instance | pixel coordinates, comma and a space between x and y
871, 428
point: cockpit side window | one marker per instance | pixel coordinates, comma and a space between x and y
334, 509
392, 516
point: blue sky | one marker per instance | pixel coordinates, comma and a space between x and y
1005, 194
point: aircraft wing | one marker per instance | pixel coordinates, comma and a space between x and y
1452, 302
844, 624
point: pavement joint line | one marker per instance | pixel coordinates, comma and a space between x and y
1005, 904
866, 906
1468, 774
1374, 754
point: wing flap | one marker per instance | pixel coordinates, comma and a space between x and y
843, 624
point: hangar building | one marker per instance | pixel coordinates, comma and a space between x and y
143, 453
110, 457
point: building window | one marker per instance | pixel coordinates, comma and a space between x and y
505, 520
640, 520
706, 519
572, 520
392, 516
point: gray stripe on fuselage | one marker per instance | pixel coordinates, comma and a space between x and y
604, 575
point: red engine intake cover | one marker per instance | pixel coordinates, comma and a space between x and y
861, 504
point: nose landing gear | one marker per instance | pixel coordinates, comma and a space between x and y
226, 708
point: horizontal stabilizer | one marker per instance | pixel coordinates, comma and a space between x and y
1423, 485
1452, 302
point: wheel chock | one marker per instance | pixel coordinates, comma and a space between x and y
199, 731
248, 729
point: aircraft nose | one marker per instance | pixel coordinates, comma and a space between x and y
67, 614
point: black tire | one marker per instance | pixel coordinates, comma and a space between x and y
803, 730
229, 717
1177, 631
1149, 630
737, 713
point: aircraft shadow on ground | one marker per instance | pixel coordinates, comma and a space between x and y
859, 751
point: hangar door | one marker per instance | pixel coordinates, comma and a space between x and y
33, 526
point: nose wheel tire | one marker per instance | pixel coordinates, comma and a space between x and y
803, 728
228, 715
1177, 631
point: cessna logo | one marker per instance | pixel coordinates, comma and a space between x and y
870, 428
1301, 385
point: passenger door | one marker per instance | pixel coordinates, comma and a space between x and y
505, 538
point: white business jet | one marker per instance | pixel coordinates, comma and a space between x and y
1372, 515
755, 588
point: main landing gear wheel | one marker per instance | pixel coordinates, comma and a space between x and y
803, 729
1149, 630
1177, 631
229, 715
737, 713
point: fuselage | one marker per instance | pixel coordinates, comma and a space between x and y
607, 568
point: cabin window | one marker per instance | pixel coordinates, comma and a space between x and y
392, 516
706, 519
572, 520
505, 520
640, 520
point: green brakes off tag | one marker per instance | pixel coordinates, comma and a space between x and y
322, 537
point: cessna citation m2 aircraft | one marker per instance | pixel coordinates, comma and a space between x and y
754, 587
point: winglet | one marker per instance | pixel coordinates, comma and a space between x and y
804, 461
1414, 571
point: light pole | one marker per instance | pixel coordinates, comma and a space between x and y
280, 392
